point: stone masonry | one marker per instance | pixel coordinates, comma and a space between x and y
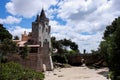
38, 40
41, 36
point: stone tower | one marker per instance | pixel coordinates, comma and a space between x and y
41, 36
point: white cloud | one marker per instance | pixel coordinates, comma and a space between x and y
28, 8
18, 31
85, 19
10, 20
68, 32
85, 16
10, 8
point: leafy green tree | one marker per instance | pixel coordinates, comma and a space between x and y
72, 52
62, 49
57, 45
16, 38
74, 46
84, 51
103, 50
62, 45
4, 34
24, 52
110, 48
7, 47
5, 38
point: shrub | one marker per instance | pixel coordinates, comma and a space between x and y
59, 58
14, 71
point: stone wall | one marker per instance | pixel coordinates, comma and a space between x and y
77, 59
29, 62
47, 55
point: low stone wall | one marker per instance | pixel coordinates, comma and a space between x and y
29, 62
76, 60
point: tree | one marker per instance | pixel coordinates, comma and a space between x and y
64, 48
103, 50
4, 34
62, 45
7, 47
84, 51
24, 52
56, 45
110, 48
16, 38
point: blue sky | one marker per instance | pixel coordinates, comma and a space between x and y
82, 21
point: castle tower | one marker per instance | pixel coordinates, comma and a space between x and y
41, 36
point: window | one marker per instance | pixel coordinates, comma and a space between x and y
46, 23
45, 40
39, 27
46, 30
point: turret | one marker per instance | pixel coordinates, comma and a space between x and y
42, 17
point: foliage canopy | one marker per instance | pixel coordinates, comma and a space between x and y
4, 34
62, 45
64, 49
110, 48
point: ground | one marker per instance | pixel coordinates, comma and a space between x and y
77, 73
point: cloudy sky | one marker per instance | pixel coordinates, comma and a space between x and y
82, 21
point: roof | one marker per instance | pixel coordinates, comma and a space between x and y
16, 41
42, 17
22, 44
42, 14
29, 45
